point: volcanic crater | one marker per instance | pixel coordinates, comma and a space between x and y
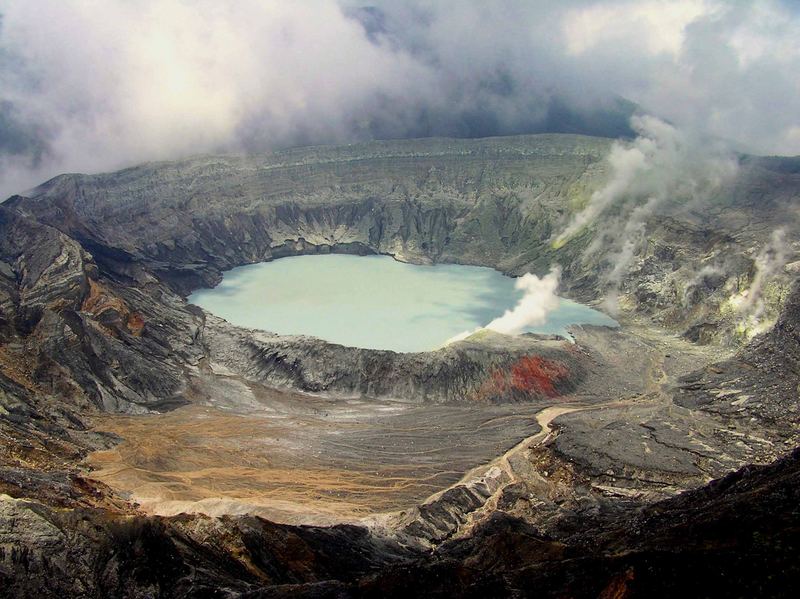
123, 401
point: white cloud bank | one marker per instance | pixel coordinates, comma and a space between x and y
90, 86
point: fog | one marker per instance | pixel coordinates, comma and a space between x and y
91, 86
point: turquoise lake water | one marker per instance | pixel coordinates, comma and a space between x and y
373, 301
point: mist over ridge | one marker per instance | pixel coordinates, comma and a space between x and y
100, 86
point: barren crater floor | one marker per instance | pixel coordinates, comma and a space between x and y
303, 459
295, 458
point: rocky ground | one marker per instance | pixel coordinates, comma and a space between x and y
613, 466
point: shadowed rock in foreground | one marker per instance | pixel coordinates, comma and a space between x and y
736, 537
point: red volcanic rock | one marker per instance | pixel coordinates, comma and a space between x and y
529, 375
534, 374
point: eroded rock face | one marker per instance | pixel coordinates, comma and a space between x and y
485, 202
94, 553
42, 269
717, 541
762, 381
457, 373
495, 202
95, 342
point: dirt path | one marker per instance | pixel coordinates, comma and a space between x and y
499, 473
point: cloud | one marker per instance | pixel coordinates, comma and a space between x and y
90, 86
659, 26
114, 82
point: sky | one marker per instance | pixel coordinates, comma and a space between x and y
95, 85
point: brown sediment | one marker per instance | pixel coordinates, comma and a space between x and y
16, 366
307, 467
100, 301
135, 323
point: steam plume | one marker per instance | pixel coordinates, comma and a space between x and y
539, 299
664, 167
708, 273
769, 261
